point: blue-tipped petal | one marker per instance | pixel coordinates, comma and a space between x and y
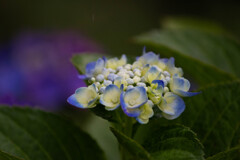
82, 76
129, 112
160, 83
124, 59
104, 59
155, 91
146, 112
142, 121
94, 87
171, 106
92, 103
186, 94
90, 67
120, 81
113, 63
179, 83
153, 73
111, 97
148, 57
164, 60
122, 87
171, 62
144, 49
162, 63
145, 69
172, 69
94, 68
153, 70
180, 86
135, 97
84, 97
99, 66
73, 101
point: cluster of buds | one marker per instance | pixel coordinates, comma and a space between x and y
149, 82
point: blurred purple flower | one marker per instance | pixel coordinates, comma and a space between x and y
37, 69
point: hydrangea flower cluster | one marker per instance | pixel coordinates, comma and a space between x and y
149, 82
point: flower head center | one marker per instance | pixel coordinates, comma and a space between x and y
132, 102
114, 100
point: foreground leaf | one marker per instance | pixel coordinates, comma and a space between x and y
5, 156
133, 148
214, 116
230, 154
36, 135
172, 142
206, 57
81, 60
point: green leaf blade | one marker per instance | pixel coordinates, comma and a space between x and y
214, 116
230, 154
5, 156
39, 135
169, 142
206, 57
156, 141
217, 118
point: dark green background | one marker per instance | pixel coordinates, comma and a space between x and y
110, 23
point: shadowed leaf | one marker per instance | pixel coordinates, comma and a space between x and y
214, 116
133, 148
5, 156
173, 142
36, 135
230, 154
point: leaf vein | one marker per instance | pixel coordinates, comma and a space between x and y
16, 146
34, 138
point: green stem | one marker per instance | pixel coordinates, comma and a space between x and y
125, 125
127, 130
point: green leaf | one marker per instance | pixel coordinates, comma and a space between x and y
214, 116
98, 128
174, 142
81, 60
130, 145
191, 23
206, 57
5, 156
230, 154
36, 135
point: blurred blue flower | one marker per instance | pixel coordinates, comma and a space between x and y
36, 70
